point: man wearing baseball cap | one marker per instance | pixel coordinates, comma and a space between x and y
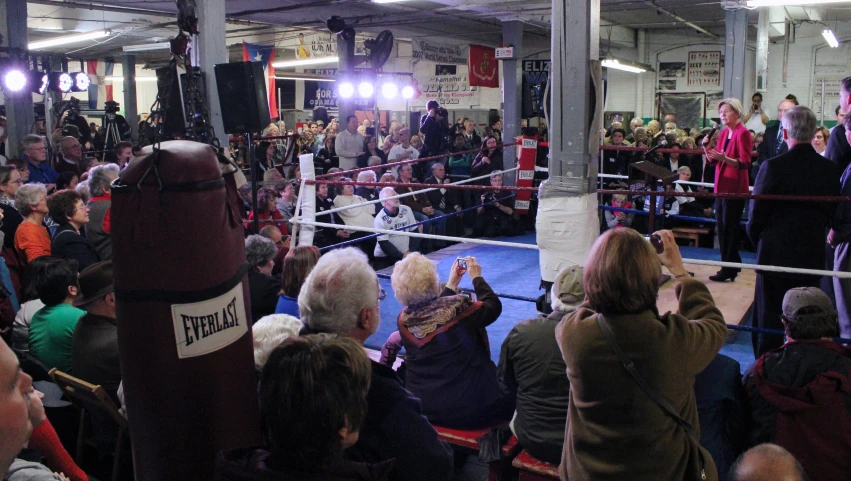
531, 366
800, 393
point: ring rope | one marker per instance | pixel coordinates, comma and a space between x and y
708, 195
422, 222
471, 291
701, 262
405, 162
707, 220
397, 184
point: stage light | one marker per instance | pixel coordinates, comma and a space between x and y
38, 82
365, 90
346, 89
14, 81
389, 90
60, 82
81, 82
407, 92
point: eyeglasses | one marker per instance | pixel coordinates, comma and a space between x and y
19, 181
40, 149
382, 294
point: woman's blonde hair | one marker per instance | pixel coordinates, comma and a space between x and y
622, 273
734, 104
414, 280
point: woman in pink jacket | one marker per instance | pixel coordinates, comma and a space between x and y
732, 158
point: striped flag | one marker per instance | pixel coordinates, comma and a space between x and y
100, 90
264, 53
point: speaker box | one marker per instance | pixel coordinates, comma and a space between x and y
414, 119
242, 95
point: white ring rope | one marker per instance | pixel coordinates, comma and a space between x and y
684, 182
734, 265
416, 192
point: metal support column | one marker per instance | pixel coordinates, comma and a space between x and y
512, 97
211, 24
131, 111
19, 111
736, 41
567, 223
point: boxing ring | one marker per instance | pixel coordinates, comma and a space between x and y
511, 265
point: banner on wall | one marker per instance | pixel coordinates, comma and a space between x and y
451, 91
318, 45
483, 67
535, 76
425, 49
324, 94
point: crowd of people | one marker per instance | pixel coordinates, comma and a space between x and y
604, 385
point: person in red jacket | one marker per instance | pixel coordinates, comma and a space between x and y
732, 158
800, 393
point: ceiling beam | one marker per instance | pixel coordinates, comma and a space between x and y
681, 19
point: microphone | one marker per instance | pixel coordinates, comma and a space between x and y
709, 136
654, 149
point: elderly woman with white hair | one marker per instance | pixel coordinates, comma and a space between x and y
100, 208
448, 361
368, 192
32, 239
263, 288
269, 332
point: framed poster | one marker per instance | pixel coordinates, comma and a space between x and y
704, 69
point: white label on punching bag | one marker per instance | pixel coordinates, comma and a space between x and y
204, 327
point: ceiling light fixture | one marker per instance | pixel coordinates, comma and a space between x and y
781, 3
82, 37
146, 47
307, 61
830, 38
138, 79
625, 65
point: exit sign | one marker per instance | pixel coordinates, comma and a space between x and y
505, 52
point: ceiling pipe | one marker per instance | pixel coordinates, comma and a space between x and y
681, 19
140, 11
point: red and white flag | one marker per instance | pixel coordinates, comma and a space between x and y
264, 53
483, 67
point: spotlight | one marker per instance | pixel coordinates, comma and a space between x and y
346, 90
348, 33
407, 92
81, 82
14, 81
365, 89
60, 82
389, 90
38, 82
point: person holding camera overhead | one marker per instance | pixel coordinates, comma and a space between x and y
448, 361
434, 127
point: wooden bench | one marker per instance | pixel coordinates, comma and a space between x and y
533, 469
690, 233
467, 440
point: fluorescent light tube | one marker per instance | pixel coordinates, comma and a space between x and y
82, 37
780, 3
830, 38
613, 63
138, 79
146, 47
307, 61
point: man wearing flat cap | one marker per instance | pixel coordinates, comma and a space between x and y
800, 393
532, 367
94, 346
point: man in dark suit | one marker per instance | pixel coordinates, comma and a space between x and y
772, 144
838, 149
789, 233
471, 138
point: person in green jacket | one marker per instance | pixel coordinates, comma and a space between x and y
53, 325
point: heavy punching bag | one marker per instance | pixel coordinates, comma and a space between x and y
184, 327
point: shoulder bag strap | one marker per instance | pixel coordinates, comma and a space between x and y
642, 383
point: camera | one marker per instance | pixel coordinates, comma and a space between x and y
111, 107
462, 262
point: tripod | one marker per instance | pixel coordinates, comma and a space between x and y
110, 129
